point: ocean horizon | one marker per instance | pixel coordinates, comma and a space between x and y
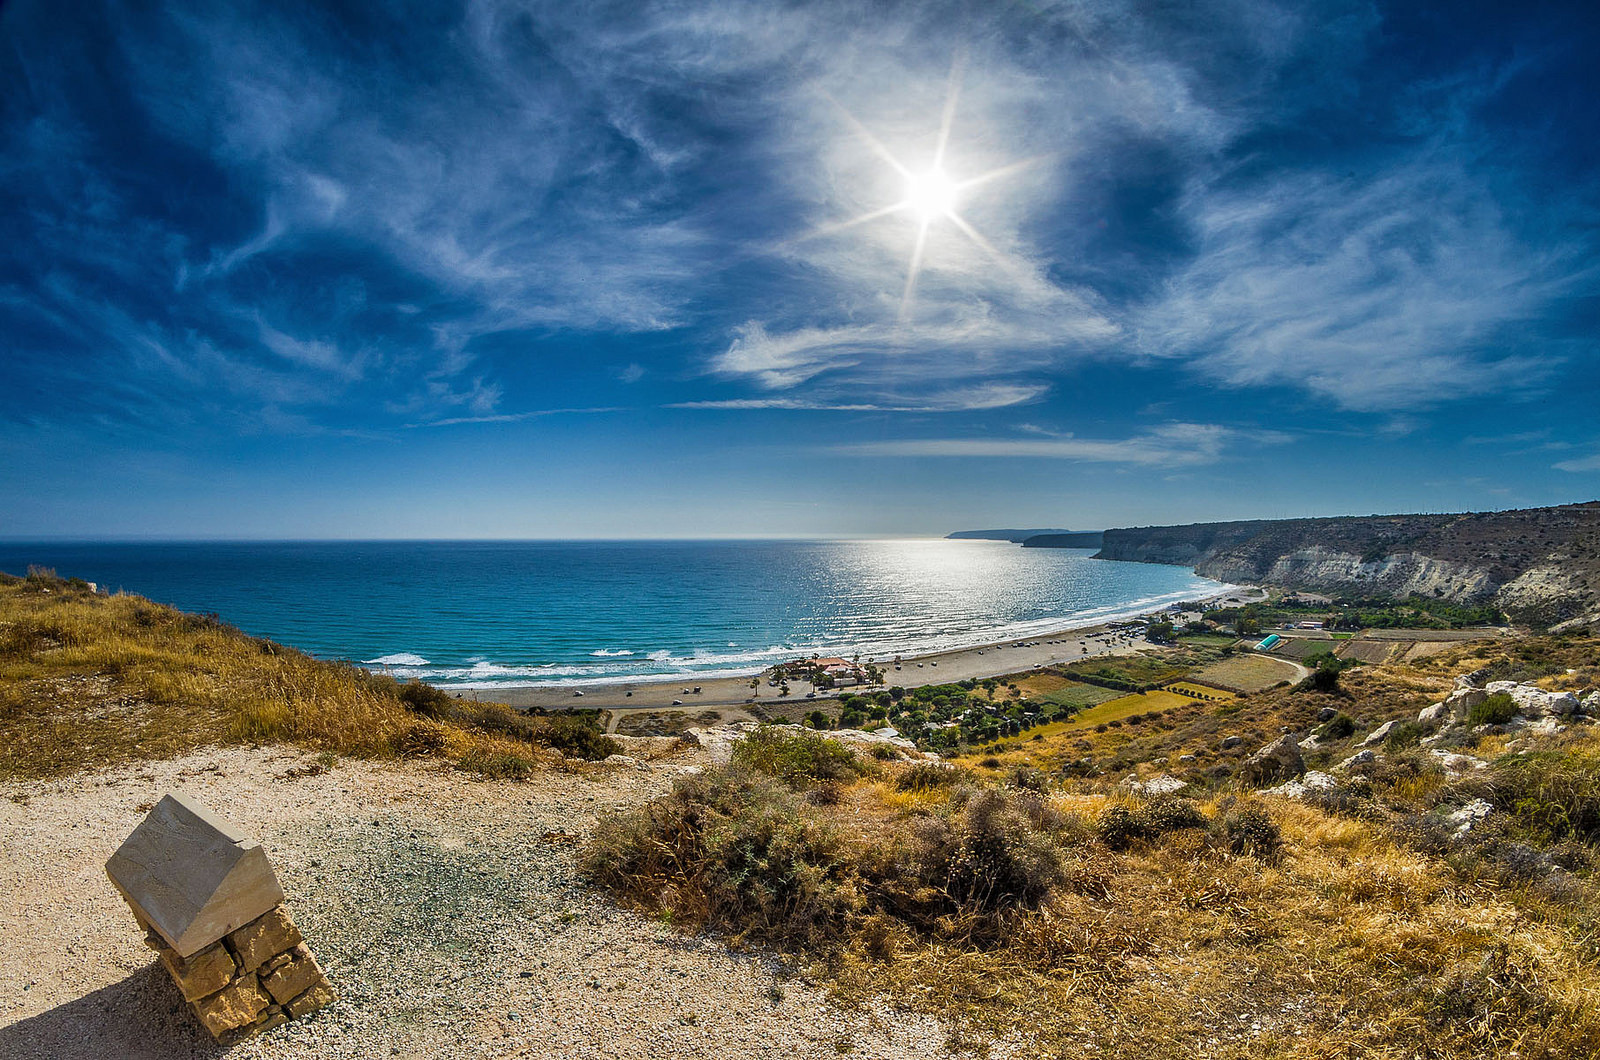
486, 614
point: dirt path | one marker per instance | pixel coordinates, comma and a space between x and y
446, 910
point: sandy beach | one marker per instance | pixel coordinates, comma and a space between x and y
986, 660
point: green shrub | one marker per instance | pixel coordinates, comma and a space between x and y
1404, 735
500, 765
1338, 727
1496, 710
426, 700
798, 757
1551, 794
576, 736
733, 850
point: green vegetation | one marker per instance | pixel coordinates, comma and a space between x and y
1356, 613
1496, 710
798, 757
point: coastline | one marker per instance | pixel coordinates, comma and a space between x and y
991, 659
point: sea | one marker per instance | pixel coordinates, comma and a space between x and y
477, 614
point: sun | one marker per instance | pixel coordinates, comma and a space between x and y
931, 195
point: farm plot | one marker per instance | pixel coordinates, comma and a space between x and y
1371, 651
1252, 672
1075, 696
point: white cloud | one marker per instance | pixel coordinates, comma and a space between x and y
1174, 444
1583, 463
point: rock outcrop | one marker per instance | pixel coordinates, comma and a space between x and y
1279, 760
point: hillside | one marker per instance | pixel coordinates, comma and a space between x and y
1539, 565
1078, 539
1016, 537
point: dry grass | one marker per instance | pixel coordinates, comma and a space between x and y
87, 681
1253, 673
1367, 933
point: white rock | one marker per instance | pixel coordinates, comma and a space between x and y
1311, 783
1160, 785
1591, 703
1456, 764
1464, 699
1360, 758
1433, 713
1469, 816
1535, 702
624, 760
1377, 735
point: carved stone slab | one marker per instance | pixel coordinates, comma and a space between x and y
191, 876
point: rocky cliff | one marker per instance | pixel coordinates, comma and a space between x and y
1540, 565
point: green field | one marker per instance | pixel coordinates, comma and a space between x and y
1076, 696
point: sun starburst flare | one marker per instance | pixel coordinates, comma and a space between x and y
931, 195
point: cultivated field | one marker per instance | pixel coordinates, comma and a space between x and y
1249, 672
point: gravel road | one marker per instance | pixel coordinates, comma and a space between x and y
446, 911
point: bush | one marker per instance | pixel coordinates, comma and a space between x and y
1404, 735
929, 776
575, 736
1250, 830
1551, 794
421, 739
990, 857
732, 850
427, 700
500, 765
798, 757
1496, 710
1119, 826
1338, 727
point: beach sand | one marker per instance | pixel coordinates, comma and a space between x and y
719, 693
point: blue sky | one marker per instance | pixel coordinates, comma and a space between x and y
504, 269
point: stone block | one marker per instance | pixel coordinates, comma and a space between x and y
293, 978
264, 938
191, 876
236, 1007
203, 973
313, 999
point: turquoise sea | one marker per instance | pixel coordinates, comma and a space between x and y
485, 613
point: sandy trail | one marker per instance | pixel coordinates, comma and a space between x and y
446, 910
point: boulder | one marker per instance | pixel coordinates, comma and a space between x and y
1279, 760
1535, 702
1326, 714
1230, 742
1163, 784
1437, 712
1360, 758
1591, 703
1473, 680
1310, 784
1377, 735
1460, 701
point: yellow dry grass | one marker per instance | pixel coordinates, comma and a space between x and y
90, 680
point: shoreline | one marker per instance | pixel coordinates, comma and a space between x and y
991, 659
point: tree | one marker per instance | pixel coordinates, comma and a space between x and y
1160, 632
817, 720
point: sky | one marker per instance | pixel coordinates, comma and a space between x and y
724, 269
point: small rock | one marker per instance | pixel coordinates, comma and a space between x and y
1360, 758
1377, 735
1469, 816
1230, 742
1326, 714
1312, 783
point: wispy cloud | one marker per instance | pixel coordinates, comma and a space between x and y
1582, 463
1170, 445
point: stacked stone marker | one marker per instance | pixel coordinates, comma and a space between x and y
211, 907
